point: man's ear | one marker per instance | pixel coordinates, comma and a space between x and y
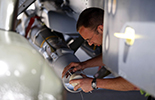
100, 29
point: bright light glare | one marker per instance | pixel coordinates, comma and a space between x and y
9, 13
16, 73
10, 8
32, 6
3, 67
20, 16
129, 35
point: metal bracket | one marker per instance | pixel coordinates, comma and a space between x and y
24, 4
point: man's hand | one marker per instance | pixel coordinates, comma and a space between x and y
84, 84
75, 65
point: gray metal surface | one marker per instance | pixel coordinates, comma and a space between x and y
61, 22
8, 14
24, 4
65, 59
135, 62
79, 5
64, 20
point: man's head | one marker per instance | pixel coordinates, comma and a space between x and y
90, 25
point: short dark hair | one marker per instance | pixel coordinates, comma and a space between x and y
90, 17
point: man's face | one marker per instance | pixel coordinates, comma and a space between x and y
91, 36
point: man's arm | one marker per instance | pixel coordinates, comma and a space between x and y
96, 61
118, 84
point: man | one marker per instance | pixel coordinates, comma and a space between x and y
90, 27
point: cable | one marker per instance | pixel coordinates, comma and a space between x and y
81, 95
